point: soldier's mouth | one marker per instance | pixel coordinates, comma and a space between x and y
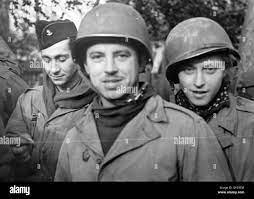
199, 92
57, 77
111, 80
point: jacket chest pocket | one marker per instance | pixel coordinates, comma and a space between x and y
36, 125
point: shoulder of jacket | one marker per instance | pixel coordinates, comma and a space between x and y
5, 73
34, 93
244, 104
36, 89
174, 108
176, 112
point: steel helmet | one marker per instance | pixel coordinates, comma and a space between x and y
112, 22
192, 38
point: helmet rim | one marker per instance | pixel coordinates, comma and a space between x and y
171, 71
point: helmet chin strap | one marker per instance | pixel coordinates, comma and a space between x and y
127, 98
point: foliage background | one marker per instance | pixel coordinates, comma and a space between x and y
160, 15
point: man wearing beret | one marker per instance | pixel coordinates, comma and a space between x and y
44, 114
129, 133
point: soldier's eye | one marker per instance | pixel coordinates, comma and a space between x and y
96, 57
189, 70
62, 58
210, 70
47, 60
122, 56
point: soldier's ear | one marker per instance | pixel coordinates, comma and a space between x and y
142, 64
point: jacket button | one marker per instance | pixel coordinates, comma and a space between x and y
86, 155
99, 161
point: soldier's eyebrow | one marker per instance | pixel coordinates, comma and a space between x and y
62, 55
45, 57
95, 53
56, 57
123, 51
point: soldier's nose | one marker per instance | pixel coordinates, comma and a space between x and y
199, 79
54, 68
110, 66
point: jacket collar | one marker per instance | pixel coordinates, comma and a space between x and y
139, 131
223, 125
228, 116
60, 112
39, 104
155, 111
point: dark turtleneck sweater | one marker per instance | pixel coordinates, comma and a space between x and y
111, 121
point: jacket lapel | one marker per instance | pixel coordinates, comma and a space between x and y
88, 132
136, 133
228, 117
225, 122
139, 131
59, 112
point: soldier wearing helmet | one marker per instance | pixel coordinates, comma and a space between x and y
200, 55
126, 135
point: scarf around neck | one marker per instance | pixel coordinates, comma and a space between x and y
220, 101
77, 96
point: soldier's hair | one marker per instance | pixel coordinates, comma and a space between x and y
71, 43
230, 60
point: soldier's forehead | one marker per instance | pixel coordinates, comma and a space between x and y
58, 48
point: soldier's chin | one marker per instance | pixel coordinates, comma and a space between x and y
58, 82
112, 95
202, 102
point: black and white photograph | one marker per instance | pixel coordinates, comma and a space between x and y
127, 91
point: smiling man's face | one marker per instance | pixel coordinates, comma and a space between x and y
58, 63
201, 79
111, 66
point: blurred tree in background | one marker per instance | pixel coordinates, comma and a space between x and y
17, 19
161, 16
246, 47
4, 19
24, 14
